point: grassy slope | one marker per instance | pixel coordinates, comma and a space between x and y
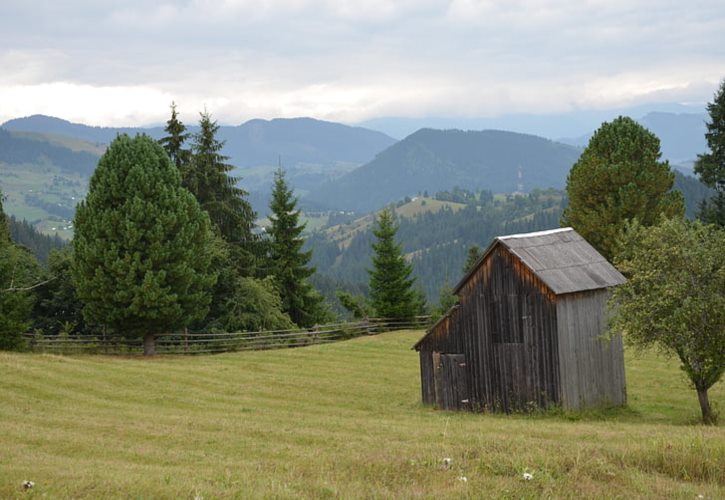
336, 420
344, 233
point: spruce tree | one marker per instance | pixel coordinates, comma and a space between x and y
173, 143
141, 244
288, 263
619, 178
391, 285
710, 167
208, 178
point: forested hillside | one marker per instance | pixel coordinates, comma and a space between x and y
437, 160
435, 241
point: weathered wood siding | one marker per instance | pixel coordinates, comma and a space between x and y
505, 329
592, 368
426, 377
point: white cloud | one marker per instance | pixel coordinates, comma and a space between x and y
105, 62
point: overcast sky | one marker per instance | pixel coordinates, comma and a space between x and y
121, 62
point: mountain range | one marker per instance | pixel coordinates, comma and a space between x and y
46, 161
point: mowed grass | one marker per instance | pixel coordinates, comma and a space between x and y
340, 420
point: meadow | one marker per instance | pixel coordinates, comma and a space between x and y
338, 420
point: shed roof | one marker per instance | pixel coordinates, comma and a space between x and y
561, 258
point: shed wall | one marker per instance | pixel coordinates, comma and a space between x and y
506, 329
592, 368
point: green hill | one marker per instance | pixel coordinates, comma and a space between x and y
44, 176
436, 160
341, 420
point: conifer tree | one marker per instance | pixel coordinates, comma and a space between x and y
173, 143
474, 253
619, 178
288, 263
711, 166
141, 244
391, 285
208, 178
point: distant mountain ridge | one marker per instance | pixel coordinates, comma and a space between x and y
296, 141
681, 135
436, 160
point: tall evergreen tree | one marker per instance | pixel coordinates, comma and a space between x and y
141, 244
618, 178
208, 178
173, 143
288, 263
391, 285
711, 166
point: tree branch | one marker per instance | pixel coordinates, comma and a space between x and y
27, 288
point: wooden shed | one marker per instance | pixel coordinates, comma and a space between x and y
527, 330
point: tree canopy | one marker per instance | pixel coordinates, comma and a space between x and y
711, 166
618, 178
391, 285
674, 298
19, 271
141, 244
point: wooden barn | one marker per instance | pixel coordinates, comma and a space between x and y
527, 330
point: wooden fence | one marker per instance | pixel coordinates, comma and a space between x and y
182, 343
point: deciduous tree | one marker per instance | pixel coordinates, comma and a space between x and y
674, 298
618, 178
141, 244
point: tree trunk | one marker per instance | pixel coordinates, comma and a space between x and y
149, 345
707, 416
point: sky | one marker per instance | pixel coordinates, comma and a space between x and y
122, 62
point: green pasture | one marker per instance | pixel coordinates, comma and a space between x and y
333, 421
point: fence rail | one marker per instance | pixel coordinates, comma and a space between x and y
181, 343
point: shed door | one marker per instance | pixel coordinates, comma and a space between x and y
451, 381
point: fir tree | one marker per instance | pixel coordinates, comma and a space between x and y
711, 166
619, 178
141, 244
391, 286
288, 263
173, 143
208, 178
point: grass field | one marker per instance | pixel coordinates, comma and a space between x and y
339, 420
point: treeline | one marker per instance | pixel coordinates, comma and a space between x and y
164, 241
41, 245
